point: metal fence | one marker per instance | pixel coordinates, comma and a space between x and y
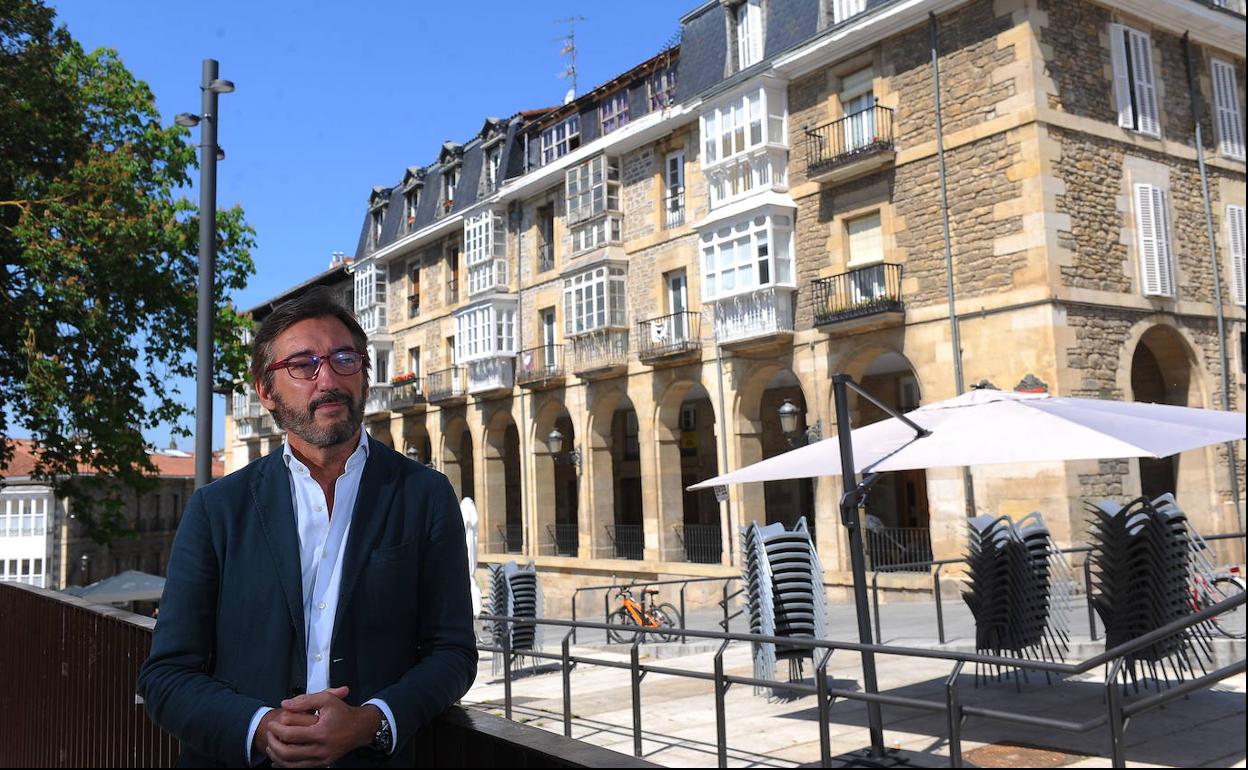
852, 137
860, 292
900, 547
545, 257
669, 335
541, 364
512, 537
445, 384
628, 541
408, 394
703, 543
674, 208
564, 537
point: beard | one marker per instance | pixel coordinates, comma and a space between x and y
302, 422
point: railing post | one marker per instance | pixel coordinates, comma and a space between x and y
635, 679
1087, 592
507, 669
724, 604
821, 692
875, 601
721, 723
575, 593
953, 709
940, 613
683, 639
1113, 702
606, 611
567, 684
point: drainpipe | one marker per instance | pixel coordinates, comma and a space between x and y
726, 506
967, 482
516, 214
1194, 93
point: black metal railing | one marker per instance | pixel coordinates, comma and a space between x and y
674, 208
537, 365
902, 547
852, 137
861, 292
599, 350
445, 384
628, 541
69, 669
565, 537
413, 305
545, 257
512, 536
703, 543
669, 335
407, 394
452, 291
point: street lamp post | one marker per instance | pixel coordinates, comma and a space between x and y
209, 153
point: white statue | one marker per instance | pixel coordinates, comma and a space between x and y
468, 510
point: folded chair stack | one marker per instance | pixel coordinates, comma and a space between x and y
515, 592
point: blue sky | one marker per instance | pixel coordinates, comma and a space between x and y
333, 98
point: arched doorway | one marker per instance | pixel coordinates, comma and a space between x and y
458, 457
416, 444
790, 500
615, 468
556, 480
688, 452
1161, 373
501, 485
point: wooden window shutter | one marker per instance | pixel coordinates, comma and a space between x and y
1153, 241
1147, 121
1235, 223
1122, 77
1226, 103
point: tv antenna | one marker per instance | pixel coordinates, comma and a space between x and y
569, 50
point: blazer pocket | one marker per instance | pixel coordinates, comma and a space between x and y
395, 553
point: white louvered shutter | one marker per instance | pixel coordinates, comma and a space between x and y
1122, 79
1147, 121
1235, 223
1226, 104
1153, 241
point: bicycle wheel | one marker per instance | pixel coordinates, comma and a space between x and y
1230, 623
666, 616
622, 631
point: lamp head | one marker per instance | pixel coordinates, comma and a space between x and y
788, 416
221, 86
187, 119
554, 441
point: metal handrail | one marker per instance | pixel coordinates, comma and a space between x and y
668, 335
857, 293
862, 133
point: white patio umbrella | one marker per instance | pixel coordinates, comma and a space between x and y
985, 427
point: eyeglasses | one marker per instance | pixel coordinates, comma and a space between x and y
306, 366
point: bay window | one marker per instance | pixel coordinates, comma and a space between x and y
485, 248
594, 299
485, 331
746, 255
593, 203
745, 144
370, 296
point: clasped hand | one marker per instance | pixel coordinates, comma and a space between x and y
315, 730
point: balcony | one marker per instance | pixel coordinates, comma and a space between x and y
408, 396
378, 401
494, 375
256, 427
452, 291
755, 319
600, 353
856, 144
545, 257
670, 339
564, 538
488, 276
702, 543
413, 305
541, 368
674, 208
88, 661
446, 386
864, 298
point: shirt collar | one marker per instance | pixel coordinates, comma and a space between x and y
361, 451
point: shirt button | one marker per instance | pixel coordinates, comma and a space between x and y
321, 606
320, 508
317, 657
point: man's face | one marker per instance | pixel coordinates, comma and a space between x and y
324, 411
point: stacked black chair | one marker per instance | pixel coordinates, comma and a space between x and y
784, 595
1011, 589
515, 592
1141, 563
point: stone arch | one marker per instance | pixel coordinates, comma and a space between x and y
555, 478
500, 487
416, 436
613, 461
458, 453
686, 440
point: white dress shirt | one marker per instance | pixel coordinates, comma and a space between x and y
321, 540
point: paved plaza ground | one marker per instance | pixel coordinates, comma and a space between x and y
678, 714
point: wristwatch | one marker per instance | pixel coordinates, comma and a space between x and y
383, 739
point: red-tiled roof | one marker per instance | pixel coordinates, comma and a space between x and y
168, 467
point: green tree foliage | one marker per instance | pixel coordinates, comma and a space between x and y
98, 266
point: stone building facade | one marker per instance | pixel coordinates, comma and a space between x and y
616, 295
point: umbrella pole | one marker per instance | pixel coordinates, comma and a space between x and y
849, 517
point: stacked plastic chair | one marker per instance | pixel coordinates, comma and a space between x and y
1141, 562
1019, 589
515, 592
784, 595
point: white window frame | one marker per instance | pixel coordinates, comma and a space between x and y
613, 111
745, 143
661, 88
873, 257
847, 9
1152, 228
493, 165
485, 331
736, 255
1227, 116
411, 202
674, 188
1135, 88
749, 17
561, 138
450, 180
592, 198
370, 296
595, 299
1236, 237
377, 218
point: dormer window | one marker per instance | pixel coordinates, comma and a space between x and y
376, 219
561, 138
614, 111
493, 167
662, 87
749, 19
411, 202
450, 180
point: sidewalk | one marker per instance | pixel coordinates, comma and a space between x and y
678, 714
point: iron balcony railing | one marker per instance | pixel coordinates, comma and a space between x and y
628, 541
512, 537
669, 335
861, 292
852, 137
407, 394
452, 291
413, 305
905, 549
674, 208
539, 365
378, 398
754, 314
600, 349
446, 384
565, 537
703, 543
545, 257
491, 374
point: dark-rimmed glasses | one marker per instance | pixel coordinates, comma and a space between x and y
305, 366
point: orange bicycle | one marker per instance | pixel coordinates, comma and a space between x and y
644, 617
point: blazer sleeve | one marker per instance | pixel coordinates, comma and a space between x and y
181, 694
448, 651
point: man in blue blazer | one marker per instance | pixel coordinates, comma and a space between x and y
316, 609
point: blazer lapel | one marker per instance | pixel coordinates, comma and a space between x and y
372, 501
270, 492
